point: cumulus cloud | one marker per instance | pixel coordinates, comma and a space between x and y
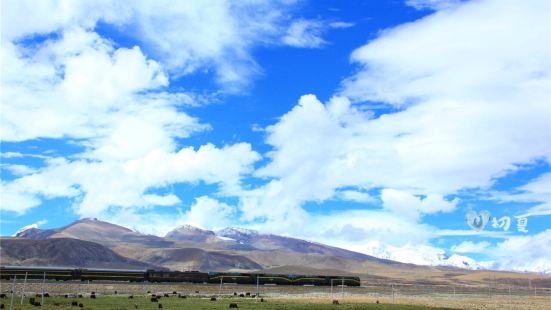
441, 139
184, 37
113, 101
319, 148
98, 185
492, 96
157, 222
461, 113
408, 205
210, 214
523, 253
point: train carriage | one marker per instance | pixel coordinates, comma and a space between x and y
50, 273
177, 276
346, 281
309, 280
232, 277
91, 274
277, 279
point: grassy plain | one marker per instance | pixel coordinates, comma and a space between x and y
168, 303
111, 295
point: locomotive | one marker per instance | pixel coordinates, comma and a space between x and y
93, 274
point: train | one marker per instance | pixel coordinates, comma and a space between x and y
125, 275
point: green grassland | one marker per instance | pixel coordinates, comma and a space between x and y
142, 302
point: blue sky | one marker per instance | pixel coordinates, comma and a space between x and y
377, 126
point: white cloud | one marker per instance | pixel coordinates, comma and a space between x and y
433, 4
492, 96
357, 196
113, 100
160, 200
99, 185
537, 190
305, 33
212, 34
205, 212
459, 135
467, 110
144, 221
341, 25
356, 227
471, 247
21, 18
22, 155
209, 213
524, 253
18, 170
542, 209
184, 36
320, 148
471, 232
408, 205
75, 87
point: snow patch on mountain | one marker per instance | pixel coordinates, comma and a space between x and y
421, 255
191, 228
25, 228
29, 227
232, 232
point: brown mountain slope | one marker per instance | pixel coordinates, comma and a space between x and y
96, 231
63, 252
198, 259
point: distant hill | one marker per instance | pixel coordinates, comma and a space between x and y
63, 252
191, 233
94, 243
96, 231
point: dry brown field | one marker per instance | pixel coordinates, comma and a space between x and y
457, 297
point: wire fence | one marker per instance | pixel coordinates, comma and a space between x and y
228, 289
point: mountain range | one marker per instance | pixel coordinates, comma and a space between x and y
99, 244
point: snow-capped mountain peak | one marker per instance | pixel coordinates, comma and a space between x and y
238, 234
25, 228
421, 255
191, 233
188, 227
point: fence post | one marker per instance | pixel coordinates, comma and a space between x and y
42, 297
510, 300
12, 292
332, 289
257, 286
342, 288
23, 289
220, 290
